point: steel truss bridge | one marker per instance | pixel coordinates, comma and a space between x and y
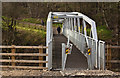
74, 28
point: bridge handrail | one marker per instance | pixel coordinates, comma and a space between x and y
84, 35
93, 45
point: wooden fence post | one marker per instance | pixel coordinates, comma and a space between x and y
13, 57
41, 57
110, 57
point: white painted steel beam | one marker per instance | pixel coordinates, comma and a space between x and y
70, 20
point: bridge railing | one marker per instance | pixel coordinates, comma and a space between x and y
64, 56
49, 37
96, 58
50, 55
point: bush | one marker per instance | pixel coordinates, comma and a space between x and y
104, 33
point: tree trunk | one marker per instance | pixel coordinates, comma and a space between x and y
103, 12
29, 9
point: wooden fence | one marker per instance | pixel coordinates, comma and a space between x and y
13, 53
109, 53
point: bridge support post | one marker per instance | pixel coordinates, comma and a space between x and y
49, 36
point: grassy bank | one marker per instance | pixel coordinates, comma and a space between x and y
33, 20
27, 34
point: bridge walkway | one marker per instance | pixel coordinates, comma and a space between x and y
74, 60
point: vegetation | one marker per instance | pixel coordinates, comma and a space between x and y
20, 34
56, 25
23, 37
41, 32
105, 15
33, 20
104, 33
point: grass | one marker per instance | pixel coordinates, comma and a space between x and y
35, 34
56, 25
103, 32
26, 37
42, 32
33, 20
32, 36
32, 26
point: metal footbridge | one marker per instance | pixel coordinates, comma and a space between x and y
87, 51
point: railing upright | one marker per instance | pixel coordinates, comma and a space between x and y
101, 55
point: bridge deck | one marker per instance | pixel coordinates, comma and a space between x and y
74, 60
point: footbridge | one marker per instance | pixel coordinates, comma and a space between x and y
86, 51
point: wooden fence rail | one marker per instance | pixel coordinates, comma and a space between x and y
24, 47
13, 53
23, 54
110, 46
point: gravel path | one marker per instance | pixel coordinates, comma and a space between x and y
89, 73
30, 73
59, 73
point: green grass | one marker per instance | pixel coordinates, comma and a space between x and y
32, 26
32, 20
41, 32
103, 32
56, 25
30, 36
